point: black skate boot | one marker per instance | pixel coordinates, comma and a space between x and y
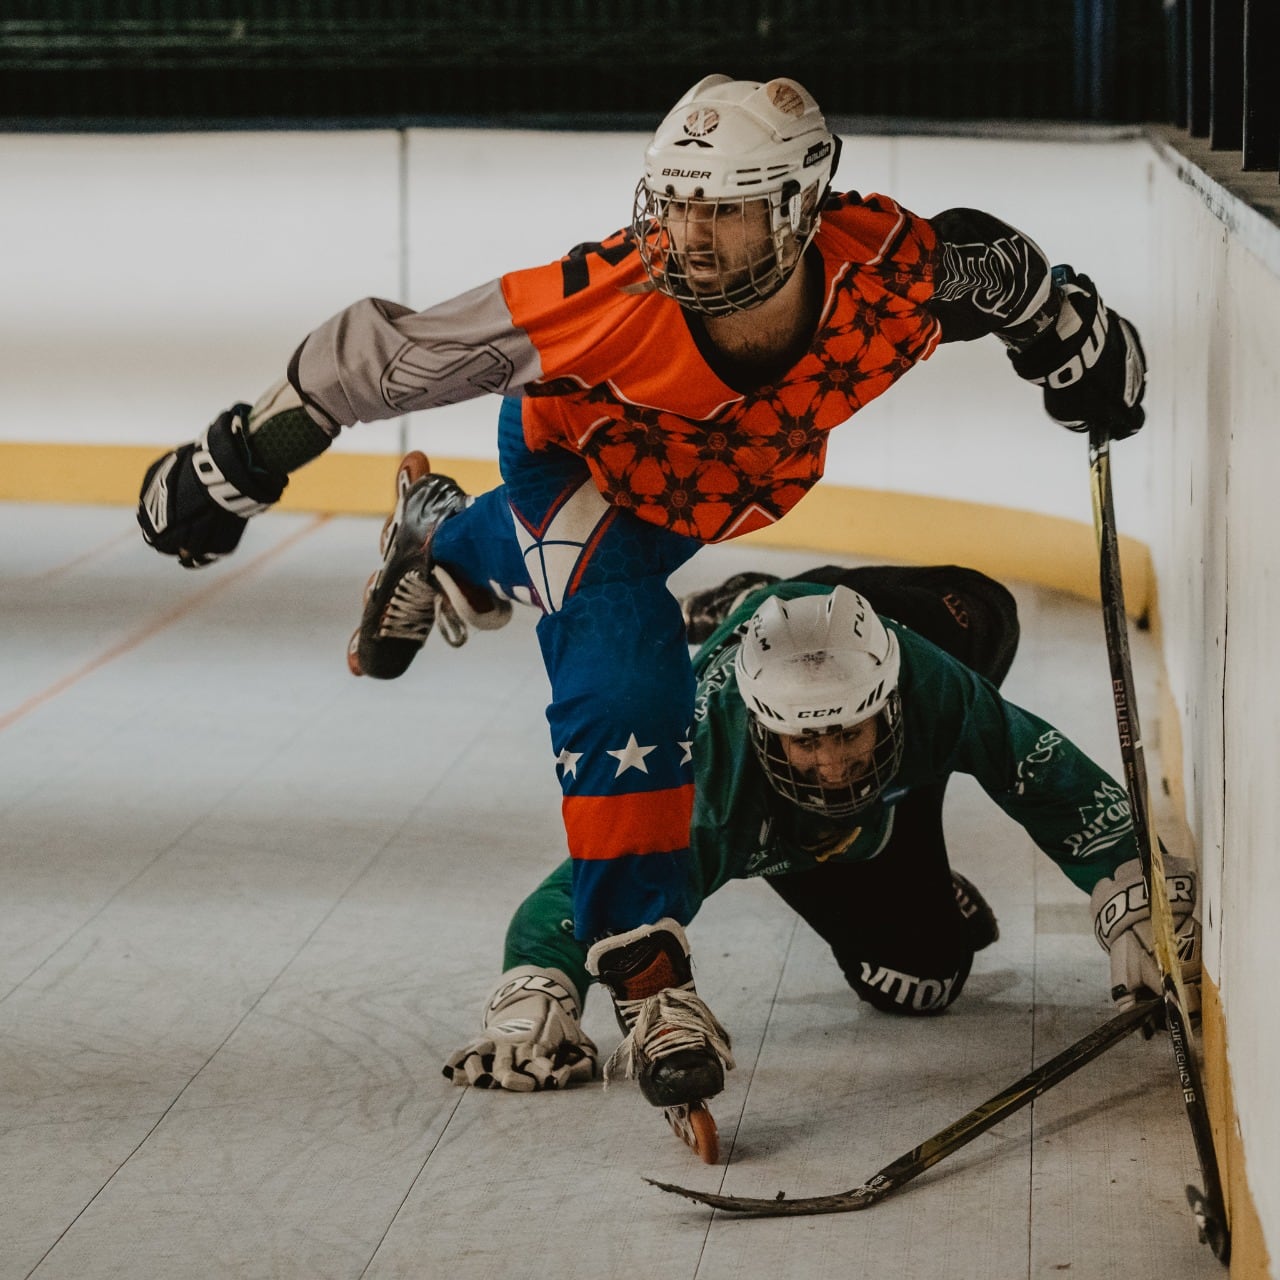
410, 593
705, 610
674, 1046
980, 920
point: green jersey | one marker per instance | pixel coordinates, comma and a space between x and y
954, 721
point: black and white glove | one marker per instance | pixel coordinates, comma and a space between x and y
1089, 362
1122, 924
197, 499
532, 1036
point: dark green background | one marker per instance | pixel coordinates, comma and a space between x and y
610, 61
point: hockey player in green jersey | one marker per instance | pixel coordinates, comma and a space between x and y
831, 710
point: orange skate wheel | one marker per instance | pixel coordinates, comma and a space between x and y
695, 1126
706, 1137
413, 466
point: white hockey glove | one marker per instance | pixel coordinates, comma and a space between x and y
1122, 924
532, 1038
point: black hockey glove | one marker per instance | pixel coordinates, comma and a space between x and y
197, 499
1089, 362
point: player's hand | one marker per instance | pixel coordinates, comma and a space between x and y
532, 1037
1090, 363
1122, 925
196, 499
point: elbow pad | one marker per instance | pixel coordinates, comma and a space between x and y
990, 278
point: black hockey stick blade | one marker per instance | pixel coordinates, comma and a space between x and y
956, 1135
1208, 1206
1213, 1230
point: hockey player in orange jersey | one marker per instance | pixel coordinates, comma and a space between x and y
669, 386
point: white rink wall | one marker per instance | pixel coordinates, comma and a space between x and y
146, 281
149, 280
1215, 539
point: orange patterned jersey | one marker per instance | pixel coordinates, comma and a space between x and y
625, 386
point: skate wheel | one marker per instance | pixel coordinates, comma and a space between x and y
353, 654
695, 1126
706, 1137
413, 466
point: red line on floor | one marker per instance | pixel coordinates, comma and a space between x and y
158, 624
125, 535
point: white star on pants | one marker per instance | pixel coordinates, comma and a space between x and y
631, 756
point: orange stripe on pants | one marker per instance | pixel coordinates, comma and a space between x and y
604, 827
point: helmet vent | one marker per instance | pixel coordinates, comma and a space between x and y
875, 695
758, 175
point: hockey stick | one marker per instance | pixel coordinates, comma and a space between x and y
945, 1141
1208, 1205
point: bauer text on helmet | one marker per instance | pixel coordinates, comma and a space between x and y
819, 677
732, 192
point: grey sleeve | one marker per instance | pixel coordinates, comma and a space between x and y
380, 359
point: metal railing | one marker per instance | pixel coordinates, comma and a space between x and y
1221, 82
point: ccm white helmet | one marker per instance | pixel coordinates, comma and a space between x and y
732, 191
811, 671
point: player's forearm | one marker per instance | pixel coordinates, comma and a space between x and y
283, 436
1074, 811
1087, 831
1070, 807
378, 359
990, 278
541, 931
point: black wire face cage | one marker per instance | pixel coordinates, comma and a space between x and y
717, 256
859, 793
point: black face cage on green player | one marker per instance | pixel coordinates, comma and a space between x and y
682, 241
859, 792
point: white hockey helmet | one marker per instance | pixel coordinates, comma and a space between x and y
734, 161
810, 670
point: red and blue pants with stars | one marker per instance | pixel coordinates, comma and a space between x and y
613, 643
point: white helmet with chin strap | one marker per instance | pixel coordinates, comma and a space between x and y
816, 667
733, 155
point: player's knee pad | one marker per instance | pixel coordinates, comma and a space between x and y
894, 989
989, 614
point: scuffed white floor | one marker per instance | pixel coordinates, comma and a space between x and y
249, 905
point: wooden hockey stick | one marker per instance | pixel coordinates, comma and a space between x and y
1208, 1205
956, 1135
